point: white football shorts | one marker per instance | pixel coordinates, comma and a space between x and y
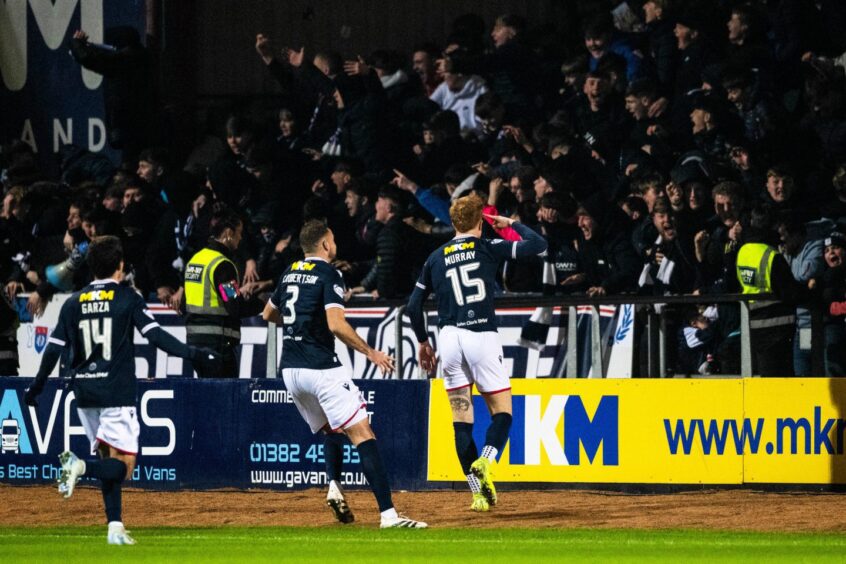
325, 397
116, 427
471, 357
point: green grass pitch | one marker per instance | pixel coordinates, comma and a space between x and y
347, 545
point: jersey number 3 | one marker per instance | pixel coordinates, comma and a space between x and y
93, 334
461, 281
290, 313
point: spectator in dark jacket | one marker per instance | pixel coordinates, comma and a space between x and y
669, 267
392, 276
601, 38
756, 111
662, 43
309, 85
512, 70
129, 89
746, 45
694, 54
562, 271
605, 252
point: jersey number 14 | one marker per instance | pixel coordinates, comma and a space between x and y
93, 334
462, 282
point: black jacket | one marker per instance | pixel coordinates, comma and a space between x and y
675, 275
610, 262
398, 249
129, 89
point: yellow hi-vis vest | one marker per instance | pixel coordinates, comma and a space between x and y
754, 266
200, 297
754, 263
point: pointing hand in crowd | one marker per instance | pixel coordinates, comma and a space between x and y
403, 182
263, 48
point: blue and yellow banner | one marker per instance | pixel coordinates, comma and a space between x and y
659, 431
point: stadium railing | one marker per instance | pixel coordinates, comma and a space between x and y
655, 326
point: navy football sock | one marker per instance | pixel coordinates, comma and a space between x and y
107, 469
465, 446
333, 453
374, 471
111, 499
497, 435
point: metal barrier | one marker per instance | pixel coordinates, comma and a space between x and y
656, 328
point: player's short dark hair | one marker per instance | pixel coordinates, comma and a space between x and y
312, 233
104, 256
223, 218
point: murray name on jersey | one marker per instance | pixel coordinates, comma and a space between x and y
459, 252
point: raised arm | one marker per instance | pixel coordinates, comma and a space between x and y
531, 245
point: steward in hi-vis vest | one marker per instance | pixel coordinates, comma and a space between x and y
213, 299
761, 269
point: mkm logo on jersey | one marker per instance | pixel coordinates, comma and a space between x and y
97, 295
536, 428
459, 247
303, 265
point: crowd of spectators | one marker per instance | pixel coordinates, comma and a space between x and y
645, 156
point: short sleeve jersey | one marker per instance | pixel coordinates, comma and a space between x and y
97, 325
306, 290
461, 275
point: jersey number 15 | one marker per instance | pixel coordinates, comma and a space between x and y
461, 281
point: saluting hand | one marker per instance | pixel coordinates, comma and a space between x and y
499, 221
